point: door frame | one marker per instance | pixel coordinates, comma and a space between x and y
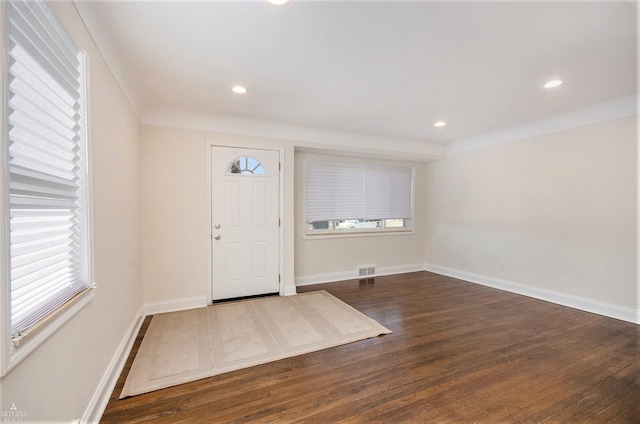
209, 234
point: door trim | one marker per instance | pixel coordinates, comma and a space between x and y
209, 233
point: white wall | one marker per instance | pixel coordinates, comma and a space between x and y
331, 259
175, 212
559, 210
57, 381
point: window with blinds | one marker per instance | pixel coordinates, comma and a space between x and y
357, 197
46, 157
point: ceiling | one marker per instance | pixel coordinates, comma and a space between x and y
370, 69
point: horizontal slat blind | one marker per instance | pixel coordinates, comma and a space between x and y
337, 190
47, 165
388, 192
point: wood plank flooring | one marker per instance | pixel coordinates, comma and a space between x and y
459, 353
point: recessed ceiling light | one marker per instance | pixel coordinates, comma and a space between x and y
440, 124
238, 89
279, 2
552, 84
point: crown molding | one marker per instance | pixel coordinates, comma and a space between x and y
607, 111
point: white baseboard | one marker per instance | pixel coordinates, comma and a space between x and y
101, 396
351, 275
576, 302
290, 290
165, 306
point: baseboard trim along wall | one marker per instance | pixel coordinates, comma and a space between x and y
576, 302
290, 291
351, 275
174, 305
101, 396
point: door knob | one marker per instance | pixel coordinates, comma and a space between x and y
217, 226
217, 237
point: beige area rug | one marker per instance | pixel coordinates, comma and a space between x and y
184, 346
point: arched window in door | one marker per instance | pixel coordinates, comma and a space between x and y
246, 165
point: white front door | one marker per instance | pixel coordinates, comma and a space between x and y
245, 221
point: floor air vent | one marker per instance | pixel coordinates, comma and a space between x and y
366, 271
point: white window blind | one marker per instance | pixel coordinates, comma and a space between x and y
47, 162
338, 190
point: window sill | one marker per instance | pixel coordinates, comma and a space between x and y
357, 233
20, 348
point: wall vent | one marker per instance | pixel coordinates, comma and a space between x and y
366, 271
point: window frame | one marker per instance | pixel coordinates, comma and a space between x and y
15, 349
409, 229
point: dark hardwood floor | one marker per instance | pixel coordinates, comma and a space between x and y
459, 353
